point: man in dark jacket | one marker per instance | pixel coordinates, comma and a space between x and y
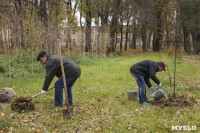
53, 68
142, 72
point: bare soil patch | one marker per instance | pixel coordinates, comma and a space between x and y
176, 101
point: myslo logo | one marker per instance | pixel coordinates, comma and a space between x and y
184, 127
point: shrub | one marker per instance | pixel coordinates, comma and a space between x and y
118, 53
2, 69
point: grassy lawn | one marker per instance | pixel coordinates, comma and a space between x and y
100, 99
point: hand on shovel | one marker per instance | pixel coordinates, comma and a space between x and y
42, 91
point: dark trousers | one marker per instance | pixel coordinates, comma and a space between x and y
142, 87
59, 90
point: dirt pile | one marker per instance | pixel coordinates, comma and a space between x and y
176, 101
22, 104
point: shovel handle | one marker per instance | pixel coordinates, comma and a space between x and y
63, 73
41, 93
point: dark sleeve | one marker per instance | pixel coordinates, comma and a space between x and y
50, 73
147, 81
154, 78
152, 74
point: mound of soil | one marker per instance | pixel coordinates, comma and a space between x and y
21, 104
175, 101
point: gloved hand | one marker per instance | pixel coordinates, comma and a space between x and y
159, 86
42, 91
151, 90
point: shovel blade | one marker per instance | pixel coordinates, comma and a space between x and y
67, 113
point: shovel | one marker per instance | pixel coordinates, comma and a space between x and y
68, 112
41, 93
21, 104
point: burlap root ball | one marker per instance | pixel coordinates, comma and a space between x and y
6, 94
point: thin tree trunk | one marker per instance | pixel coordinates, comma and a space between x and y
32, 56
149, 39
168, 39
154, 38
175, 68
88, 27
8, 54
126, 36
113, 26
121, 40
134, 36
194, 41
144, 36
22, 26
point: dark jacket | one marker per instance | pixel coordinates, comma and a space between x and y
147, 69
53, 68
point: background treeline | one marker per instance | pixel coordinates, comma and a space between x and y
41, 24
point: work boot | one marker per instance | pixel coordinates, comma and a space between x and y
145, 103
149, 101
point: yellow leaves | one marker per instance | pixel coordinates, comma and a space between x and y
98, 129
138, 111
2, 114
190, 95
38, 131
25, 121
199, 86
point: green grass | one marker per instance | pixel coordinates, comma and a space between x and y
100, 99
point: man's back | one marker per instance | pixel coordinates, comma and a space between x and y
146, 68
71, 69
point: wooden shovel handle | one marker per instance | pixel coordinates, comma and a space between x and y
41, 93
63, 73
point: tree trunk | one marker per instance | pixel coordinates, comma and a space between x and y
149, 39
144, 36
121, 40
113, 26
1, 38
88, 27
186, 38
159, 27
154, 38
69, 41
194, 41
197, 50
115, 42
134, 36
168, 38
22, 26
126, 36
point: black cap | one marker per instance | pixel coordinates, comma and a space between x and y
41, 54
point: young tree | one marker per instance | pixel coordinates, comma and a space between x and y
113, 26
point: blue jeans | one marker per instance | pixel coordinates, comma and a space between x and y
142, 87
59, 90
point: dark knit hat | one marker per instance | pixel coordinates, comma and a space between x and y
41, 54
162, 64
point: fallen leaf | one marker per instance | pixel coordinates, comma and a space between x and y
38, 131
25, 121
189, 95
98, 129
2, 114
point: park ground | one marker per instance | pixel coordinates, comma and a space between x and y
100, 97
